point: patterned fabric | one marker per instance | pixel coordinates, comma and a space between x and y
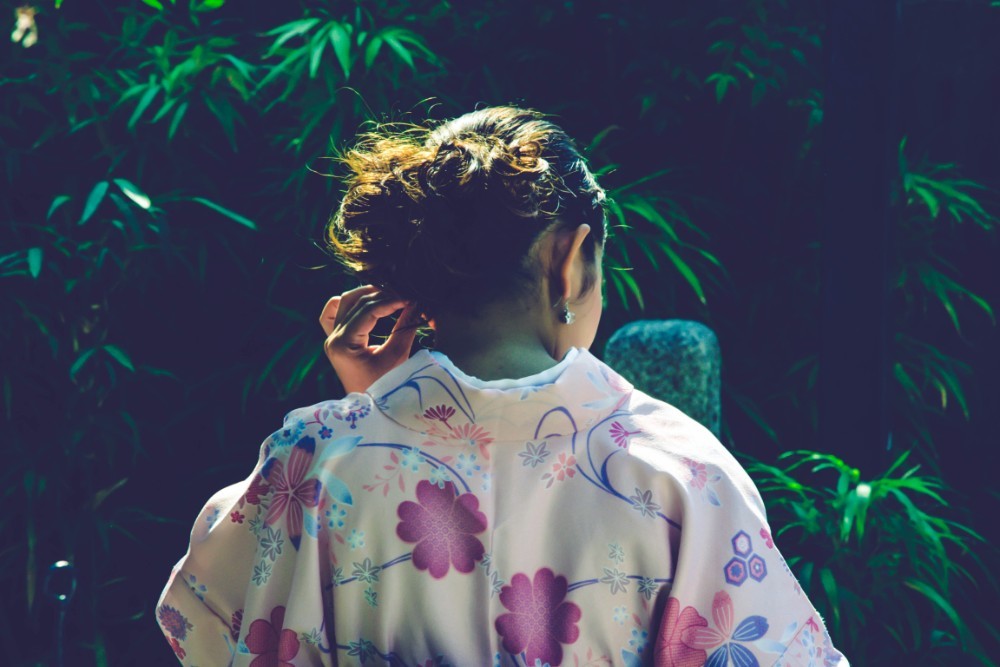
560, 519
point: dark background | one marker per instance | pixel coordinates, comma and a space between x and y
213, 302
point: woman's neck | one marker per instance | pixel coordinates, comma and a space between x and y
504, 341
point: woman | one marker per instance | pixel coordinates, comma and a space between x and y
445, 514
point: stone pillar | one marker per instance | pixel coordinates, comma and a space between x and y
676, 361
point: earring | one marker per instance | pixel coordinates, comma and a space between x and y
567, 316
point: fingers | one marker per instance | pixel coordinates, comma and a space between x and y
403, 332
347, 300
365, 315
350, 319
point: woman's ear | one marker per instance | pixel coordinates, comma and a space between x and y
569, 262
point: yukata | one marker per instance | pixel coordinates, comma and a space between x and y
436, 519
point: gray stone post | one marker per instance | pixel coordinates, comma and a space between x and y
676, 361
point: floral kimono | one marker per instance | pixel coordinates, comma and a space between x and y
560, 519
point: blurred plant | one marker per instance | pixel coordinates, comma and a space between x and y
932, 201
649, 221
893, 573
759, 44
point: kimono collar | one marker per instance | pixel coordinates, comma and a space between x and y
429, 395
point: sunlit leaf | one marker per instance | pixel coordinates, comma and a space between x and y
133, 193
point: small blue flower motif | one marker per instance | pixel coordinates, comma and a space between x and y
289, 434
356, 539
355, 410
212, 517
496, 660
486, 481
467, 464
639, 640
412, 459
440, 476
335, 516
325, 432
539, 663
196, 588
620, 615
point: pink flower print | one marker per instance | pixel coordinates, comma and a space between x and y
562, 469
540, 620
272, 643
441, 413
621, 435
724, 636
236, 516
292, 491
443, 526
474, 436
768, 540
671, 651
699, 474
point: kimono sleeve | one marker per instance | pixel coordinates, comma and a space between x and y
250, 584
734, 600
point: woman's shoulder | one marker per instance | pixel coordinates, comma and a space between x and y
670, 441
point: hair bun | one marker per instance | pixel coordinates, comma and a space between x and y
446, 216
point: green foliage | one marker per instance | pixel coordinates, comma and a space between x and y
892, 570
932, 201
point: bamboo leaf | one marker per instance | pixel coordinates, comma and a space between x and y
401, 51
144, 103
34, 261
685, 270
341, 40
178, 115
93, 201
119, 355
316, 48
56, 203
80, 361
132, 192
246, 222
372, 50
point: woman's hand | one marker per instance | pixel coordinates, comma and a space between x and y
348, 319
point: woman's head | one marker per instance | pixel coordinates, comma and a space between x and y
452, 216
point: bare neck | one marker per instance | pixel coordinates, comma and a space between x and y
506, 340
